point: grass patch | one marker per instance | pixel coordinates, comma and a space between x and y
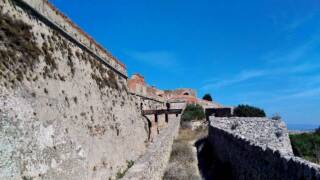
182, 153
182, 164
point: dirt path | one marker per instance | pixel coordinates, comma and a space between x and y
183, 164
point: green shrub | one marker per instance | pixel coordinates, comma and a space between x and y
306, 145
207, 97
248, 111
193, 112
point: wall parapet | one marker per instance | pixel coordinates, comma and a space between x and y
249, 160
261, 131
148, 97
66, 27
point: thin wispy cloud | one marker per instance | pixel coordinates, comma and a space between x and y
241, 77
158, 58
293, 55
302, 93
298, 22
247, 75
305, 93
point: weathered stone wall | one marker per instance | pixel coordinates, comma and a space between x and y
153, 163
137, 86
59, 20
247, 158
64, 114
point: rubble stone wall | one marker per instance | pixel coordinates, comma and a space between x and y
263, 131
247, 158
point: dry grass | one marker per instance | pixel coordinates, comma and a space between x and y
186, 134
183, 162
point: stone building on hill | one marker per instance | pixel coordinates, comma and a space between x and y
137, 85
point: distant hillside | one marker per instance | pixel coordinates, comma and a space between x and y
302, 127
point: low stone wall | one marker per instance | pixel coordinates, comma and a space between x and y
153, 163
262, 131
248, 159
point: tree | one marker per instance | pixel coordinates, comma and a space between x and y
318, 130
207, 97
276, 117
193, 112
248, 111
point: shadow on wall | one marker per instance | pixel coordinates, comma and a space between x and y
209, 165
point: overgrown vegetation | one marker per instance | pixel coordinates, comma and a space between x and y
207, 97
193, 112
70, 63
21, 53
248, 111
307, 145
102, 76
120, 174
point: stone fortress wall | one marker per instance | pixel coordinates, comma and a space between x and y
64, 24
62, 109
257, 148
65, 108
137, 86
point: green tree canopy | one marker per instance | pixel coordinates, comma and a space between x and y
248, 111
193, 112
207, 97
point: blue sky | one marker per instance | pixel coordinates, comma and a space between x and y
264, 53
